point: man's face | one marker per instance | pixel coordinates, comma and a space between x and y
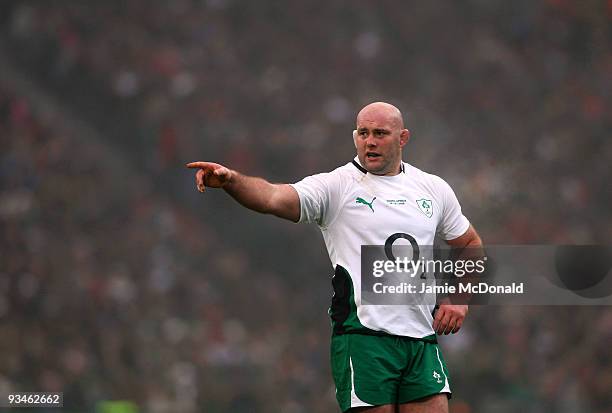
379, 141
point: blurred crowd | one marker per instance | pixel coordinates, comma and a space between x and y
118, 281
108, 291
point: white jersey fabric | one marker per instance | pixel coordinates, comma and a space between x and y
330, 201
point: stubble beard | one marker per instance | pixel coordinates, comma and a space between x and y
386, 168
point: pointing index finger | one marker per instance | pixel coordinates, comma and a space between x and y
201, 165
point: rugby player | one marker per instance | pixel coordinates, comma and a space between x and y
385, 358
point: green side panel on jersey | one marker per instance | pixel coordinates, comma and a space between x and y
343, 310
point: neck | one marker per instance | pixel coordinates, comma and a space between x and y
396, 170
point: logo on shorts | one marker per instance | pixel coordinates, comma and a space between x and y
437, 376
425, 206
360, 200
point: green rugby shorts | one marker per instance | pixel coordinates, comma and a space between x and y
372, 370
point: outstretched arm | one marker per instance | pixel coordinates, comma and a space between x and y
252, 192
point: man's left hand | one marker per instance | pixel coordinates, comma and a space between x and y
449, 318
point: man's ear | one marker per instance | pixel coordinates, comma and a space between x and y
355, 138
404, 137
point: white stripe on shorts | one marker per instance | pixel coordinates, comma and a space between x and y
446, 388
355, 401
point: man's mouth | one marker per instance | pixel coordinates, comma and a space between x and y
372, 155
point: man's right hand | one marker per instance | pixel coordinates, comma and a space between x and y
210, 174
254, 193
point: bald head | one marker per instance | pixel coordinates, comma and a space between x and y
382, 111
379, 138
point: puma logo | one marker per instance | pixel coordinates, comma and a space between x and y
363, 201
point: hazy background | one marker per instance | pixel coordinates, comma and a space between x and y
118, 281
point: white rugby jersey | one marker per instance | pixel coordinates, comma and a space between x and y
342, 204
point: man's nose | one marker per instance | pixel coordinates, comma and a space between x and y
370, 141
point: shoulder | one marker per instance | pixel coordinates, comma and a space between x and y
329, 184
431, 181
349, 171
